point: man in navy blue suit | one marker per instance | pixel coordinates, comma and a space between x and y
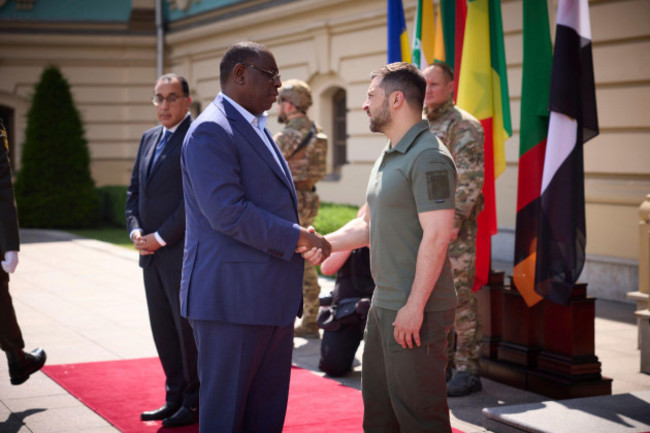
242, 278
155, 216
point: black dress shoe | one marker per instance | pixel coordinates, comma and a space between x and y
184, 416
166, 410
22, 364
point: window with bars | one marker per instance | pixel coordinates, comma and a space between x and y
340, 133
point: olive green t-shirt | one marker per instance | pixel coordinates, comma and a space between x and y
416, 175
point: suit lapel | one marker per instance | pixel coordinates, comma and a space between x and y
246, 130
285, 165
174, 141
149, 151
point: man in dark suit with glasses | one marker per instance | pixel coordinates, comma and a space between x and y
155, 215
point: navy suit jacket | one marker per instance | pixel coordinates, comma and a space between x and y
242, 225
155, 196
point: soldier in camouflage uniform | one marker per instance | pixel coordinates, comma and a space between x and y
304, 146
463, 136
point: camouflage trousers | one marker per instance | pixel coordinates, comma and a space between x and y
308, 203
464, 355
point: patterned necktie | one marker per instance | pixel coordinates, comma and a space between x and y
160, 146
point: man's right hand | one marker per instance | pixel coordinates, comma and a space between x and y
313, 246
138, 241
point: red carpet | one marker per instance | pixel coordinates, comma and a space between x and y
120, 390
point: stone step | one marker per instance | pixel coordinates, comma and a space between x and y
621, 413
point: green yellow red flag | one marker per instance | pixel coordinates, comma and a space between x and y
483, 91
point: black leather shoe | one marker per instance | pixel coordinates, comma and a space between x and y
184, 416
166, 410
22, 364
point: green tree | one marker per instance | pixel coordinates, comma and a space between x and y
54, 188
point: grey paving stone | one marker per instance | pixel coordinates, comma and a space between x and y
622, 413
67, 419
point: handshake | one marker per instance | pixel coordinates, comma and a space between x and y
312, 246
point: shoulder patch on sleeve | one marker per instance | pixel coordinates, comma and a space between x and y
438, 186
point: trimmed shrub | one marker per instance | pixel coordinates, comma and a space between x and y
113, 205
54, 188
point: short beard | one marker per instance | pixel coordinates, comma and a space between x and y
382, 118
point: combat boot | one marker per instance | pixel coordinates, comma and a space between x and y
463, 383
22, 364
449, 373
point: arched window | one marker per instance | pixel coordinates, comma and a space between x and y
339, 131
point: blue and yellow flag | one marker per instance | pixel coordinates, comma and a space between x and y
399, 49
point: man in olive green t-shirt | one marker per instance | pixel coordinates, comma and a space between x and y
411, 211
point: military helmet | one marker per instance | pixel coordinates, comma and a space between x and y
297, 92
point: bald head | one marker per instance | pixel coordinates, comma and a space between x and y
249, 75
440, 85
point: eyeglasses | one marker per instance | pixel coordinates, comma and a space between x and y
171, 98
273, 76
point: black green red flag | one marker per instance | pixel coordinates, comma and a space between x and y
535, 86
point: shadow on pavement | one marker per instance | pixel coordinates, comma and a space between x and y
30, 236
15, 422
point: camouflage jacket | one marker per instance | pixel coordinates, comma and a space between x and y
308, 165
463, 136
